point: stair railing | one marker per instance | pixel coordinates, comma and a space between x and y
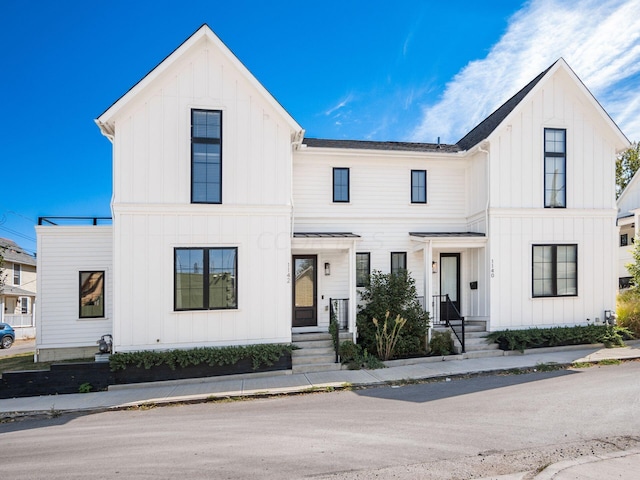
451, 315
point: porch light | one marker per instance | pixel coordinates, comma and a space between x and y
327, 269
434, 267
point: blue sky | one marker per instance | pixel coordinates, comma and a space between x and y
354, 69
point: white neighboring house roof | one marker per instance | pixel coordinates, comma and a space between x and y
12, 291
633, 184
105, 120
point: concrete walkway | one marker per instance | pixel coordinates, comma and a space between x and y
275, 383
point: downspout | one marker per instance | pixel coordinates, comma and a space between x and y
486, 226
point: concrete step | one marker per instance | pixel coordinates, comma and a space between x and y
320, 367
309, 337
314, 344
484, 353
308, 351
313, 359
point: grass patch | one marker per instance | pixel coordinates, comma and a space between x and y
610, 361
548, 367
581, 365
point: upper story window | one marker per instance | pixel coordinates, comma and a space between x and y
555, 163
363, 269
398, 262
341, 185
17, 274
624, 240
92, 294
418, 186
206, 156
555, 270
205, 278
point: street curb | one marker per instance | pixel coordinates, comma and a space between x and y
552, 470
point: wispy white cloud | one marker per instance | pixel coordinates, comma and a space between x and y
340, 105
600, 39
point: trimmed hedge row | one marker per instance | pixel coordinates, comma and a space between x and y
558, 336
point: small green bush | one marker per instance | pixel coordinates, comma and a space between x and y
559, 336
628, 310
441, 344
85, 388
261, 354
356, 358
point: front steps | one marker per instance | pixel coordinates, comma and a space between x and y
315, 352
475, 342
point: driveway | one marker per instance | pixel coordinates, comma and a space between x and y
19, 346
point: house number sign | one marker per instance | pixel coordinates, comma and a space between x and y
493, 271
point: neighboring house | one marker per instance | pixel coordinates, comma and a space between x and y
18, 297
627, 221
230, 227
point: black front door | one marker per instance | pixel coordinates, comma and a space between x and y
449, 285
305, 291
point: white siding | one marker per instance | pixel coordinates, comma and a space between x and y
63, 252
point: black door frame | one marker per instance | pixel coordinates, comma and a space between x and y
443, 305
312, 320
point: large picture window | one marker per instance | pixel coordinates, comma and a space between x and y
363, 269
206, 156
418, 186
555, 164
341, 185
555, 270
92, 294
206, 278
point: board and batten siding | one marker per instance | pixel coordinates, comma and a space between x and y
63, 252
153, 213
381, 213
145, 316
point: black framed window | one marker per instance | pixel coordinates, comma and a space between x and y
92, 294
624, 239
17, 274
363, 269
555, 165
418, 186
341, 185
555, 270
205, 278
398, 262
206, 156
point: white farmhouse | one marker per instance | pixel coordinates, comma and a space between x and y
230, 227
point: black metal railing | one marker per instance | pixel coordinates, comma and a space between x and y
444, 312
74, 220
339, 320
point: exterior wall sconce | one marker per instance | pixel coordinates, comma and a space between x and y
434, 267
327, 269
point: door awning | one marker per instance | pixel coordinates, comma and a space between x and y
451, 239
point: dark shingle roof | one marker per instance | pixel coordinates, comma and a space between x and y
325, 235
447, 234
489, 124
371, 145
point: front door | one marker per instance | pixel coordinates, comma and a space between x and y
449, 285
305, 291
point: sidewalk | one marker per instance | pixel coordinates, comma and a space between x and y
274, 383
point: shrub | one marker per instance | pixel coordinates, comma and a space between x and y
355, 358
387, 336
558, 336
262, 354
396, 294
441, 344
628, 310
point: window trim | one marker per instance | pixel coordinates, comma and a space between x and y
17, 273
625, 242
404, 255
333, 181
104, 294
544, 165
413, 200
209, 141
554, 269
368, 257
205, 279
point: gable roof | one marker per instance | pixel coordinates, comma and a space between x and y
105, 120
485, 128
11, 252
